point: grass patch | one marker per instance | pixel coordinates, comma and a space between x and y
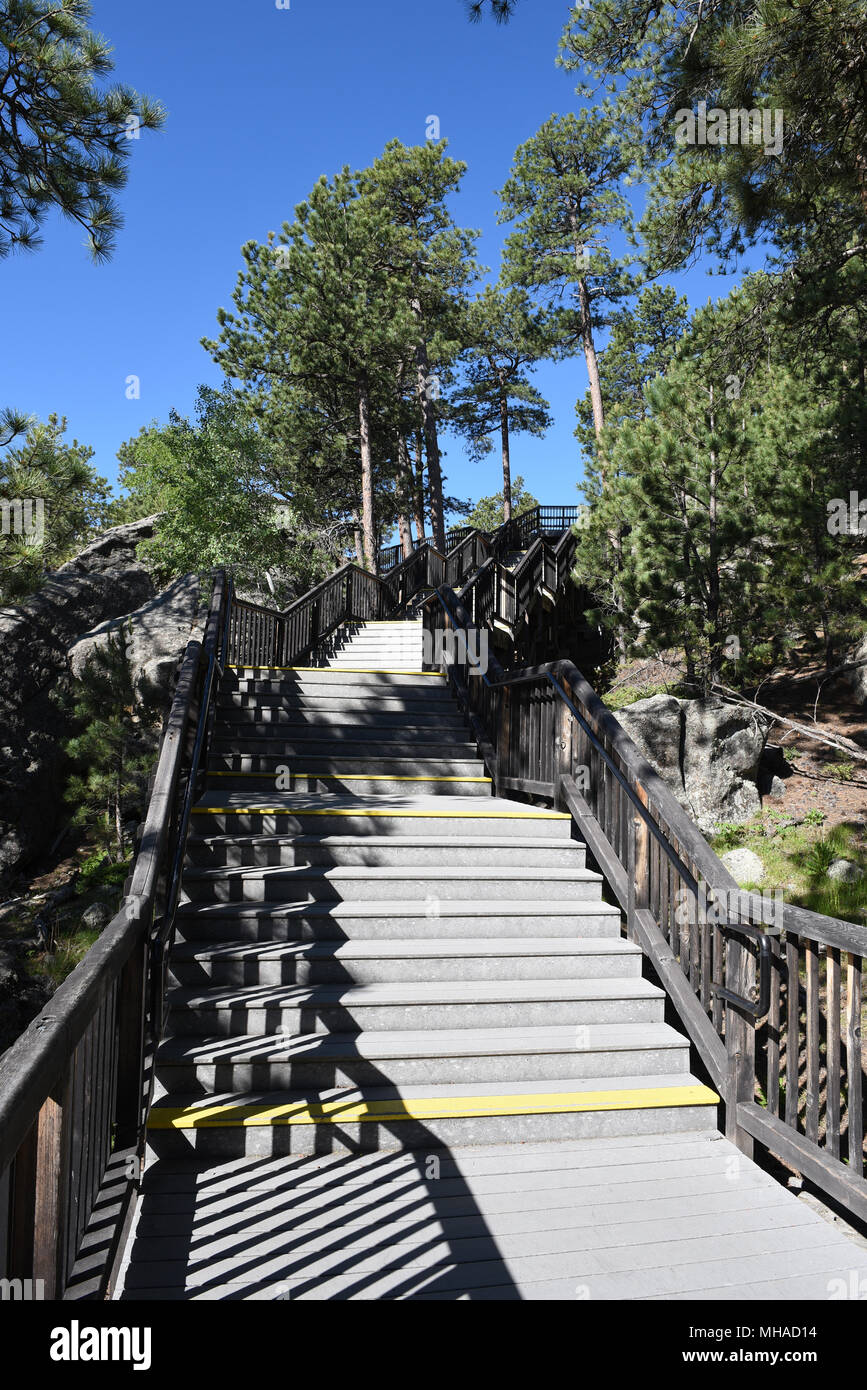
68, 952
796, 860
627, 694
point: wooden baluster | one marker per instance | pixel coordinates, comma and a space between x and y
811, 1124
833, 1073
642, 848
740, 1036
793, 1029
853, 1064
773, 1030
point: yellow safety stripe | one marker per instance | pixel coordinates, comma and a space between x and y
368, 811
305, 1112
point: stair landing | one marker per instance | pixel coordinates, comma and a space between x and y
658, 1217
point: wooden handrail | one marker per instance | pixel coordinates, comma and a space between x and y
657, 863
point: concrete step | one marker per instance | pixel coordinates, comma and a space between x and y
384, 662
266, 765
367, 783
484, 851
313, 688
371, 652
392, 960
362, 1119
222, 1011
319, 1060
317, 674
450, 817
326, 921
361, 715
361, 743
402, 884
347, 700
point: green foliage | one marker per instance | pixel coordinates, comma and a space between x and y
487, 514
342, 325
731, 461
67, 505
224, 501
116, 715
728, 835
65, 140
505, 338
565, 197
843, 770
820, 858
642, 342
815, 817
100, 871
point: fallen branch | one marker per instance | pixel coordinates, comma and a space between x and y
844, 745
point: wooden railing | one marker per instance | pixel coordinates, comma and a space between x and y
497, 596
769, 993
75, 1086
514, 535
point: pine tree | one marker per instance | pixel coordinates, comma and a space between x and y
565, 196
65, 141
53, 502
496, 397
114, 749
642, 341
490, 512
408, 186
323, 321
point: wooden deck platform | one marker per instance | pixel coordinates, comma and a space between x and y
660, 1217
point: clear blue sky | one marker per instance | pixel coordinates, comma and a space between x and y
260, 102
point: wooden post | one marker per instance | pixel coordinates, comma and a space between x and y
631, 827
130, 1046
642, 853
503, 736
50, 1197
563, 728
740, 1040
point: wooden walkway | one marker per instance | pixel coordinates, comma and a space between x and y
658, 1217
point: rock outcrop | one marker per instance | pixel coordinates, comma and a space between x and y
104, 585
158, 633
708, 752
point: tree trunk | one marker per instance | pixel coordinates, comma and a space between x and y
589, 347
406, 487
507, 467
418, 495
118, 821
368, 530
429, 424
356, 534
713, 604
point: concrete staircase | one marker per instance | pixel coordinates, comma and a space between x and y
375, 953
396, 644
